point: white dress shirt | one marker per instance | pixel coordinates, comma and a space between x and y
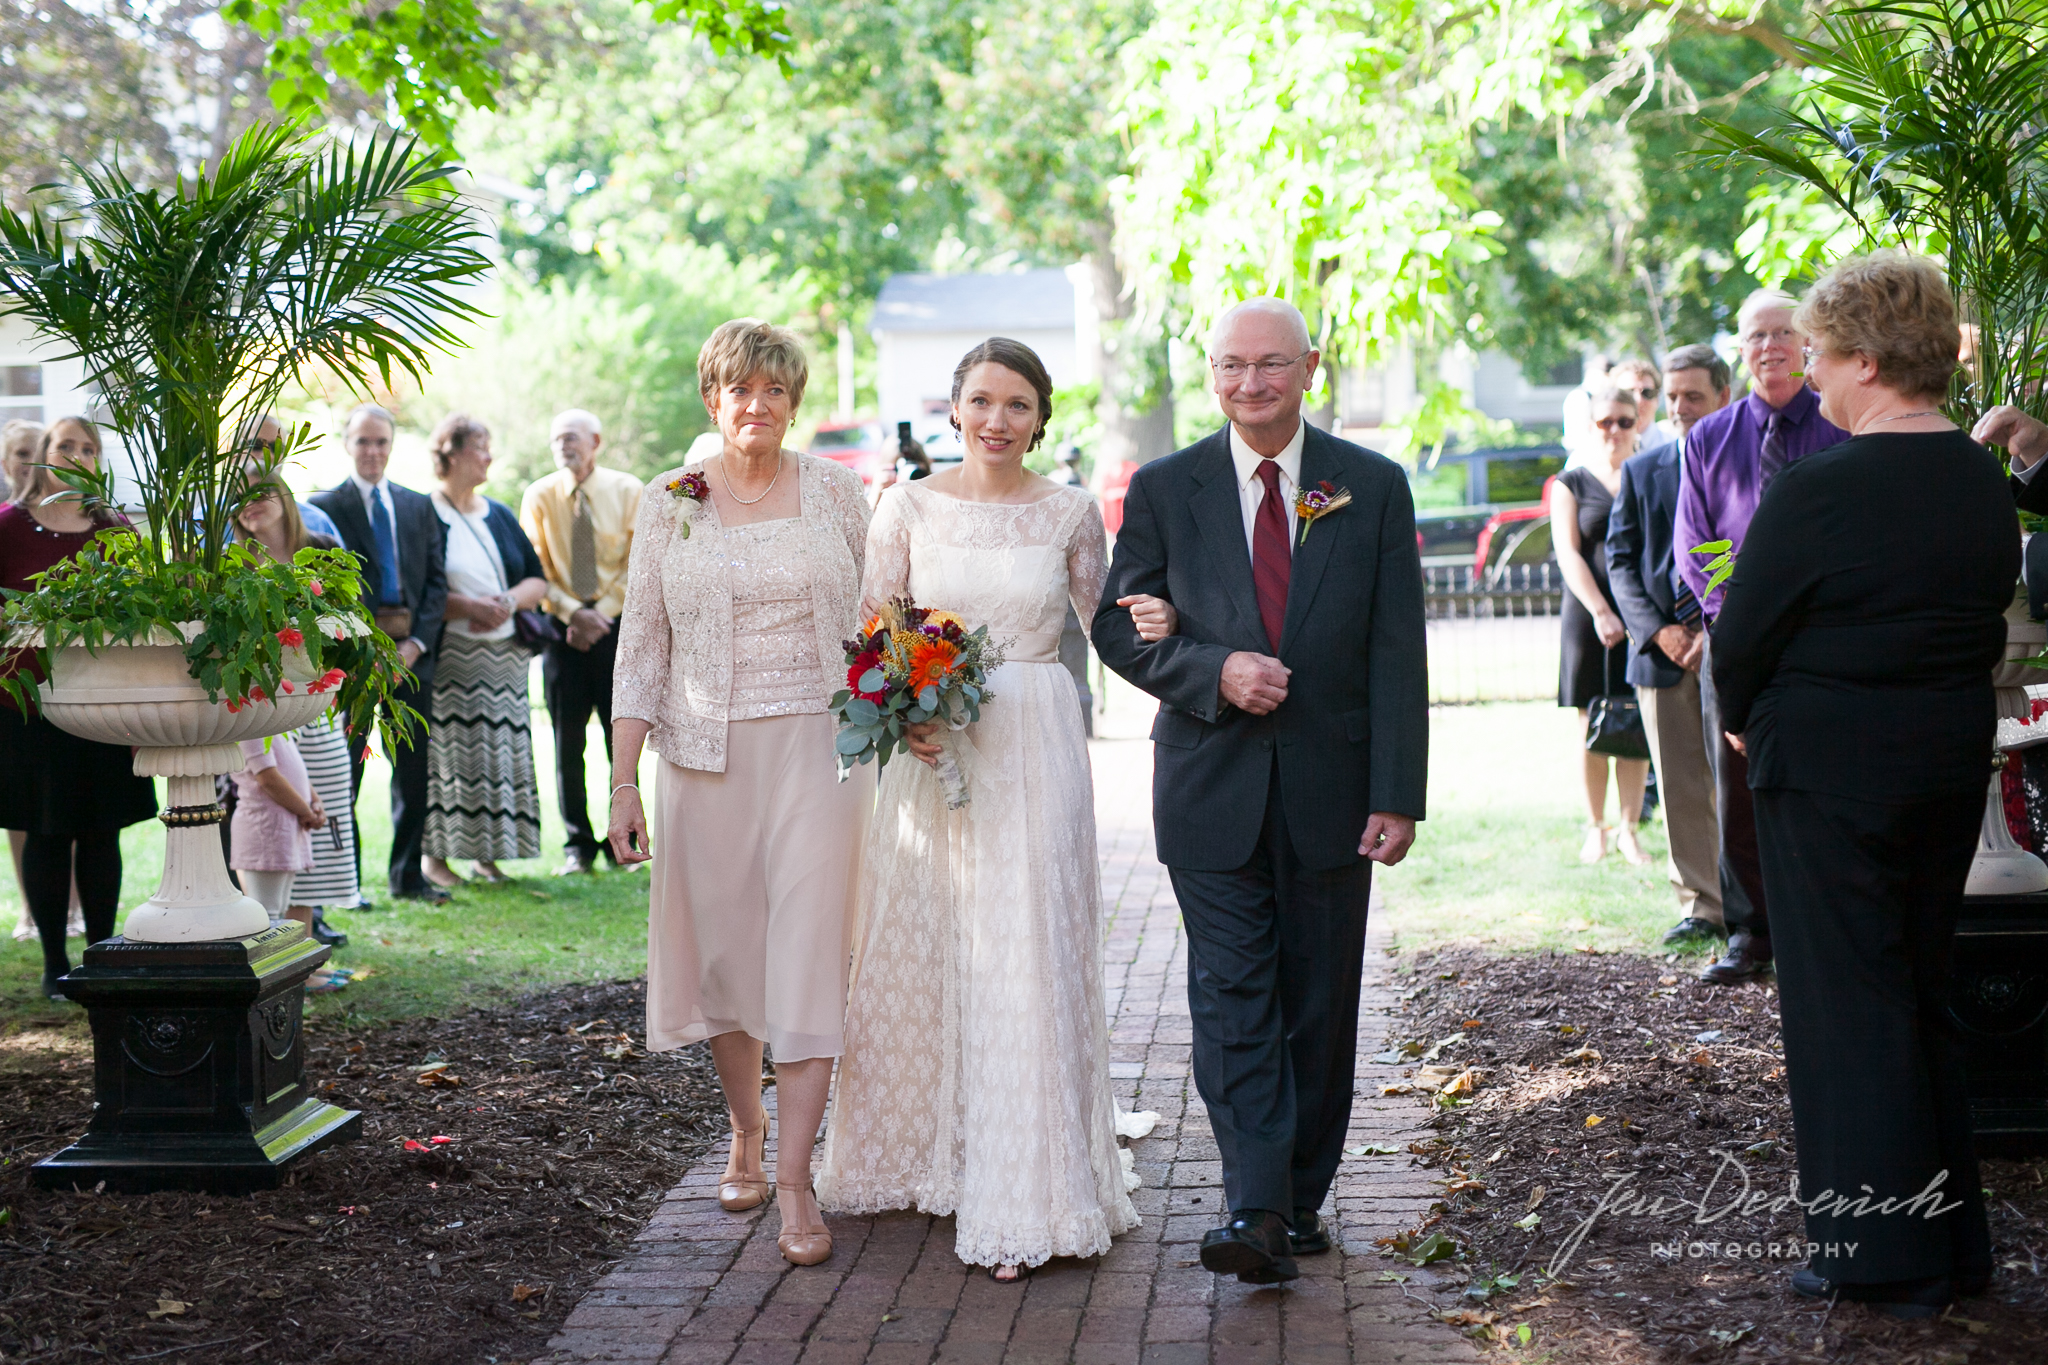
1251, 489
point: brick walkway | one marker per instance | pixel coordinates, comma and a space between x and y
704, 1287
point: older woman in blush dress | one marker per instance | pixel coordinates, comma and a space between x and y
743, 582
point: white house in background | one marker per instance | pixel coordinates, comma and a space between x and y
36, 387
923, 324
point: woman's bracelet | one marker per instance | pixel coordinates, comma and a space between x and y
621, 787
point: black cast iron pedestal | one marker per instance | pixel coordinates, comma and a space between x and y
1998, 992
199, 1066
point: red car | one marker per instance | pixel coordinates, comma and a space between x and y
867, 448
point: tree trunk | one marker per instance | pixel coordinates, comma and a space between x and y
1126, 354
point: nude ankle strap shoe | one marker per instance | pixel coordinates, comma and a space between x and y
745, 1184
801, 1245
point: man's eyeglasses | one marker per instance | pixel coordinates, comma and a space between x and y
1646, 393
1272, 367
1782, 335
1610, 423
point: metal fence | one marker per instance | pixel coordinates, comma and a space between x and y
1494, 639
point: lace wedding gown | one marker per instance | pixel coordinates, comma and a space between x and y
975, 1080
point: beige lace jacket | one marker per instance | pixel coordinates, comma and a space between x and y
674, 666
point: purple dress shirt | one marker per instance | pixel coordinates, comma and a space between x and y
1717, 477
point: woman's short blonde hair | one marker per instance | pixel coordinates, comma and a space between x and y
748, 346
1893, 307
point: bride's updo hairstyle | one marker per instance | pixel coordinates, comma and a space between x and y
1019, 359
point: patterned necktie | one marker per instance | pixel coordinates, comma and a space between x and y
582, 550
1272, 557
388, 594
1771, 461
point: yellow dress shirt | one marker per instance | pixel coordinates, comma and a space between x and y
548, 512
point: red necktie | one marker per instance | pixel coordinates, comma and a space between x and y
1272, 557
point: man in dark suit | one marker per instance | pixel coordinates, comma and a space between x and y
403, 545
1290, 753
1666, 642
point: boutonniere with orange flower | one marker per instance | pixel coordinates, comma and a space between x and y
1311, 504
690, 486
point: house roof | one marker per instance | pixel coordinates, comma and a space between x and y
1029, 300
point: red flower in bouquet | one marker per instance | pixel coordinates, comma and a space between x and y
868, 659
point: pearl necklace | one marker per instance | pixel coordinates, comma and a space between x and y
726, 479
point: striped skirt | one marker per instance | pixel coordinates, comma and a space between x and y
481, 798
332, 879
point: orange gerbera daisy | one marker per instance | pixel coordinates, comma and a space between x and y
931, 660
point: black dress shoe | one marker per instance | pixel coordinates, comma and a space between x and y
1693, 929
51, 990
322, 933
430, 893
1747, 956
1252, 1246
1899, 1298
1307, 1235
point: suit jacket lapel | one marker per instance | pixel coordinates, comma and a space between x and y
1219, 512
1312, 556
347, 511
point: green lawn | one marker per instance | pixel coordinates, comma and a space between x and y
1497, 861
486, 944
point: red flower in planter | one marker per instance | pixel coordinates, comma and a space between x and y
290, 637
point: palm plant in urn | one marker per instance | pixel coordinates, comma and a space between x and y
193, 308
1922, 128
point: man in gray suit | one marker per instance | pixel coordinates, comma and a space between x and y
1290, 754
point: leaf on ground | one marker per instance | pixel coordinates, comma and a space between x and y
1472, 1023
1584, 1056
1974, 1326
1375, 1149
1594, 1120
1729, 1336
1530, 1223
168, 1308
1712, 1035
522, 1292
1536, 1197
1397, 1088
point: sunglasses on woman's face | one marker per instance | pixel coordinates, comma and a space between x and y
1610, 423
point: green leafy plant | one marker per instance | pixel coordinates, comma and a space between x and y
193, 308
1922, 127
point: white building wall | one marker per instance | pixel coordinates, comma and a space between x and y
63, 388
914, 375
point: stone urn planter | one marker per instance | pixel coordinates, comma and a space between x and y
2002, 867
199, 1063
142, 695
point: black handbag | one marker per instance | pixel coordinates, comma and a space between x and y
1614, 723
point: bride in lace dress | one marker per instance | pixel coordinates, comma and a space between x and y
975, 1080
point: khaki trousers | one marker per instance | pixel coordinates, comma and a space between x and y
1685, 786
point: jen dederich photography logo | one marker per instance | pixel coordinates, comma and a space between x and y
1729, 1193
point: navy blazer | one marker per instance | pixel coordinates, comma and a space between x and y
1639, 560
422, 558
1352, 738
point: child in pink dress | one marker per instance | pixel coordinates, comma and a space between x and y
276, 809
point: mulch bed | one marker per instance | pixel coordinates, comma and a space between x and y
563, 1135
1677, 1074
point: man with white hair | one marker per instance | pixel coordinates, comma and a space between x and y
1730, 458
1290, 754
404, 549
580, 518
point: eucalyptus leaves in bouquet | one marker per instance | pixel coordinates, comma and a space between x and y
194, 307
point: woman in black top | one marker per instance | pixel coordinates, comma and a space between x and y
1593, 650
1853, 659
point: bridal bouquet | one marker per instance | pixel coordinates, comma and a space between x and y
909, 665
